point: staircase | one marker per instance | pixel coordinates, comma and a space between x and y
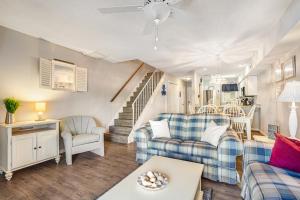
123, 126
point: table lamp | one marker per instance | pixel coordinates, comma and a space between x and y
40, 108
291, 93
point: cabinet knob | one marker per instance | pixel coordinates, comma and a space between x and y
40, 147
34, 148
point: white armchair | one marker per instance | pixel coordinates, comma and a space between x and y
80, 134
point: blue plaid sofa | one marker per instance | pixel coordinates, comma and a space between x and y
219, 162
263, 181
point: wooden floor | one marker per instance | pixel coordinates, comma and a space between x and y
88, 177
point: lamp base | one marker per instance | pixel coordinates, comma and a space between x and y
40, 117
293, 121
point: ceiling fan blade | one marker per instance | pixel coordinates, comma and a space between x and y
121, 9
148, 28
180, 3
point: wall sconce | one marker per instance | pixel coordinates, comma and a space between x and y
163, 90
40, 108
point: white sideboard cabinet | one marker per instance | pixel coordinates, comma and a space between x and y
23, 144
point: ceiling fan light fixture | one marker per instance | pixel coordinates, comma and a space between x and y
156, 21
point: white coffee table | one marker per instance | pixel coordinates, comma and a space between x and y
184, 182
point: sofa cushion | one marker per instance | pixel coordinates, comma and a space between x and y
196, 148
286, 153
267, 182
191, 127
164, 144
85, 139
177, 125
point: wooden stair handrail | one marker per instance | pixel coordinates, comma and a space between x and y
124, 85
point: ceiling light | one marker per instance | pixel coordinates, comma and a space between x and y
243, 65
157, 21
187, 78
155, 48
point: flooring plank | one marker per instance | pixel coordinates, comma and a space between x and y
88, 177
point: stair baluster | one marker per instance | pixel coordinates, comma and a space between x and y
144, 95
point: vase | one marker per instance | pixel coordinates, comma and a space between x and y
10, 118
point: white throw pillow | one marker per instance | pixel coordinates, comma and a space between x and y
213, 133
160, 129
212, 123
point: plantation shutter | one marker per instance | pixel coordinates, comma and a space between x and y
45, 73
81, 79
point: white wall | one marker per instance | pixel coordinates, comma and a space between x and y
158, 103
273, 111
19, 77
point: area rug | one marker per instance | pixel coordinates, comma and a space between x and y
207, 193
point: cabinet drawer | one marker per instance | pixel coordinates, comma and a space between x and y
23, 150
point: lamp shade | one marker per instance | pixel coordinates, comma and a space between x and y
40, 107
291, 92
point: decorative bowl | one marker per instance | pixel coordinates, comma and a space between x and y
152, 180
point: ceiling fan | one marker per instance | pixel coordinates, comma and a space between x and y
156, 11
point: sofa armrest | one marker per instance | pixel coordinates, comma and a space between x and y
230, 146
142, 136
255, 151
99, 131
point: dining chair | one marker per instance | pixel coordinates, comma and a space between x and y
208, 109
234, 111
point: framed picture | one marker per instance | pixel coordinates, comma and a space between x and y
289, 68
278, 75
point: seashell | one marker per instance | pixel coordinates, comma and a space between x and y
150, 174
153, 185
146, 178
158, 183
160, 178
153, 180
146, 183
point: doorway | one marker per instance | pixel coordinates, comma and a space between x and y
172, 98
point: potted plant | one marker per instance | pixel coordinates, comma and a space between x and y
11, 105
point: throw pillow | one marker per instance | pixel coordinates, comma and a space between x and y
286, 153
160, 129
212, 134
212, 123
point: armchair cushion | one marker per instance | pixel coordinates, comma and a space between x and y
267, 182
256, 152
85, 139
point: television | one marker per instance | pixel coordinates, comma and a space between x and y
233, 87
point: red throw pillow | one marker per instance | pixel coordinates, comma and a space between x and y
286, 153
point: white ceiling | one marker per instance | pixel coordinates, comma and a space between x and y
217, 34
286, 48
